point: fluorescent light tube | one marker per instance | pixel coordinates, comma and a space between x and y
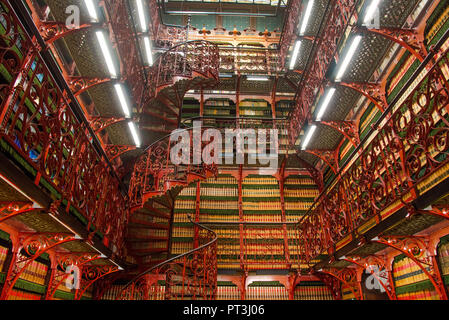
370, 11
106, 53
147, 45
306, 17
121, 96
355, 43
91, 9
308, 136
143, 22
325, 104
257, 78
295, 54
133, 130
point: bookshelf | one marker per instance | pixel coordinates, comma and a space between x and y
255, 109
190, 108
312, 290
410, 282
266, 290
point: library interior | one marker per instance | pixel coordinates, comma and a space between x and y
224, 150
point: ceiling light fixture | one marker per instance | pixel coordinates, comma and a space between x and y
355, 43
147, 45
91, 9
370, 11
325, 104
106, 53
133, 130
121, 96
257, 78
307, 14
140, 10
295, 54
308, 137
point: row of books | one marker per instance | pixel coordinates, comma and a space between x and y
268, 249
298, 205
218, 204
443, 253
228, 293
218, 103
419, 295
259, 180
266, 293
181, 247
262, 193
223, 192
302, 180
180, 232
262, 206
405, 272
306, 193
312, 293
3, 253
253, 104
35, 272
23, 295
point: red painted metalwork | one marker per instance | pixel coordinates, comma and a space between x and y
100, 123
289, 30
33, 245
90, 274
330, 157
372, 260
333, 284
82, 84
436, 211
113, 151
187, 60
36, 121
410, 39
416, 248
404, 151
313, 79
53, 30
349, 129
154, 174
58, 271
375, 92
249, 60
131, 68
191, 275
9, 209
347, 277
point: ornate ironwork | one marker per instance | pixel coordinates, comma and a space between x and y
192, 275
113, 151
406, 149
416, 248
100, 123
90, 274
154, 174
82, 84
347, 128
33, 245
11, 209
53, 30
59, 274
326, 48
37, 122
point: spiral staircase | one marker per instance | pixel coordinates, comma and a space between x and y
156, 181
189, 65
